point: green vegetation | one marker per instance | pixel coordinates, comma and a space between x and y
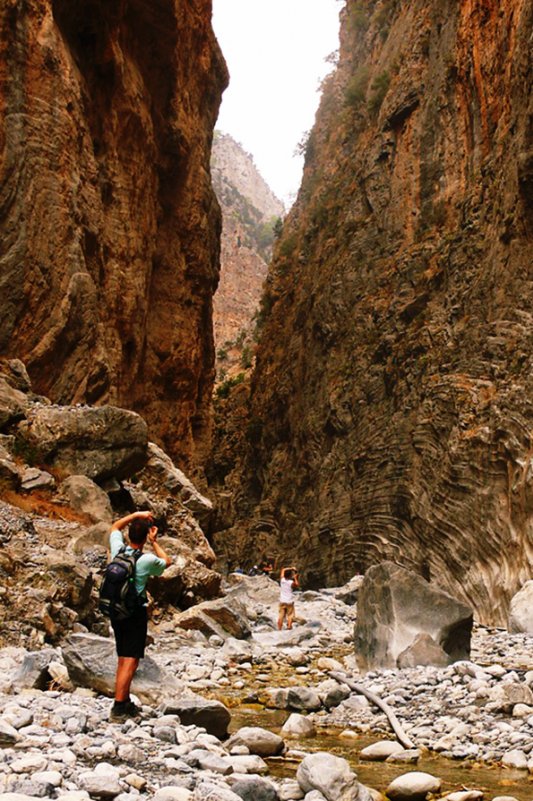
224, 389
288, 246
259, 235
246, 357
356, 90
358, 17
222, 354
379, 88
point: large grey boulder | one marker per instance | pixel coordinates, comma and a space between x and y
228, 614
521, 611
87, 497
92, 662
98, 442
394, 607
13, 403
193, 710
161, 468
187, 581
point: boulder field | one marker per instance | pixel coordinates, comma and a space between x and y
57, 742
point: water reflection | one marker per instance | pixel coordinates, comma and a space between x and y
455, 775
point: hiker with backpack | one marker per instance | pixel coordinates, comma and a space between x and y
123, 598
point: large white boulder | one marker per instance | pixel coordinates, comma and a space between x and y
395, 606
521, 611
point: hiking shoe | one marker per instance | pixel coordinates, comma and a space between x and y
123, 710
118, 713
132, 710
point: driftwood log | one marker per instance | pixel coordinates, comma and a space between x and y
401, 736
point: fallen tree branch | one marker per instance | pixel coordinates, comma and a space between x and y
401, 736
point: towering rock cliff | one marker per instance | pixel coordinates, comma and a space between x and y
391, 408
249, 213
109, 226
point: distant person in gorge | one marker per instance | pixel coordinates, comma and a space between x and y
287, 584
266, 566
130, 633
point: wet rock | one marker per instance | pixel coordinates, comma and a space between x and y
521, 610
258, 741
414, 786
395, 605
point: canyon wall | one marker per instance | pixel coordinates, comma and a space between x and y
391, 408
109, 228
249, 213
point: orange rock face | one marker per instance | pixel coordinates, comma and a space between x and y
109, 224
391, 405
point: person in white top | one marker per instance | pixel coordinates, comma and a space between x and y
288, 582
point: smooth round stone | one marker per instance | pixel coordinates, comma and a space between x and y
259, 741
464, 795
349, 734
378, 752
413, 786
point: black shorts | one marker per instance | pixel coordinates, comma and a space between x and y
130, 634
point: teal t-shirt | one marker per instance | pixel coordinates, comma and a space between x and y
148, 564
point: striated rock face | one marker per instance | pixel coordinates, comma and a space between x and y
109, 225
391, 405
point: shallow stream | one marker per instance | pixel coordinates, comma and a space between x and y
455, 775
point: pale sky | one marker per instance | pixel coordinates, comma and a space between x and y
275, 51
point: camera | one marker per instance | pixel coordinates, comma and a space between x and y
160, 523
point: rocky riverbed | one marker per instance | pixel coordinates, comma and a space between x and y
475, 717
